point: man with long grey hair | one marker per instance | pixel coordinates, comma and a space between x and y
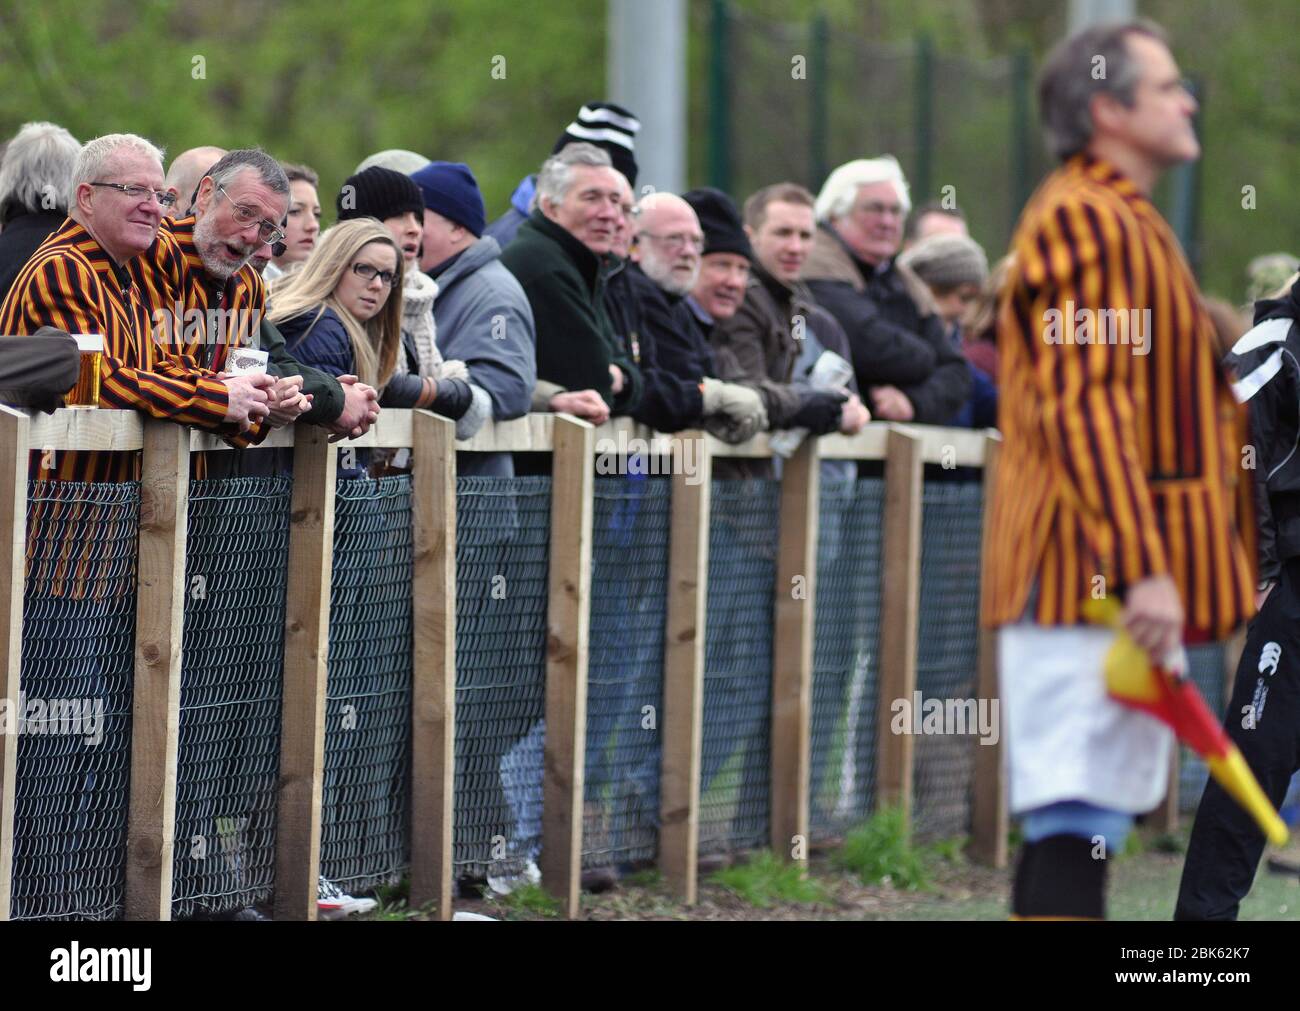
35, 190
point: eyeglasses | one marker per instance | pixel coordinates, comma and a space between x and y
369, 273
879, 210
268, 231
676, 240
140, 192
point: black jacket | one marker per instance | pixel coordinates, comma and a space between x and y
565, 284
895, 341
1267, 364
21, 237
671, 351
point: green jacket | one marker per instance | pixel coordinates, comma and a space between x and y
565, 285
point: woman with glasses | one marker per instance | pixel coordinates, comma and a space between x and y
395, 200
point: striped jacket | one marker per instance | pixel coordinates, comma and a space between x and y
71, 283
1122, 440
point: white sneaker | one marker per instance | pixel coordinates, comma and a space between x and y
333, 903
507, 883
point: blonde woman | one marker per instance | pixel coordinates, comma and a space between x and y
342, 312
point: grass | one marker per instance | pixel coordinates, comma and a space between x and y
880, 851
529, 899
766, 881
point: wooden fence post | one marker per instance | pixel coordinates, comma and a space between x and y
989, 812
684, 636
13, 523
568, 621
899, 611
155, 721
306, 648
433, 686
792, 650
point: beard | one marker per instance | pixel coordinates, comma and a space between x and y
207, 242
661, 272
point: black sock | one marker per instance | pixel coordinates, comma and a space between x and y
1058, 876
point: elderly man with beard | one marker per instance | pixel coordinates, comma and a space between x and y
680, 388
199, 273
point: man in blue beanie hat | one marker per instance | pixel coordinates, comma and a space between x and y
482, 313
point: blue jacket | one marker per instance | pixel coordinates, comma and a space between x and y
484, 320
503, 229
324, 344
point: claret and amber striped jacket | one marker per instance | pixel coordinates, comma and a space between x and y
1121, 459
71, 283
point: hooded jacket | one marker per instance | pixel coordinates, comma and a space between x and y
1266, 361
894, 332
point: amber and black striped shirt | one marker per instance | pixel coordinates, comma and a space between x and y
1121, 458
71, 283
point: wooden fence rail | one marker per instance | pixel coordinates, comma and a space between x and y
574, 445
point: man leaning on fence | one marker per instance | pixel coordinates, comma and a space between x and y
78, 281
1119, 465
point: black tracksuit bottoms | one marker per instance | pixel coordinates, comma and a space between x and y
1263, 719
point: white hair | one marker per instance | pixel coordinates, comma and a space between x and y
556, 176
94, 158
396, 159
36, 173
840, 190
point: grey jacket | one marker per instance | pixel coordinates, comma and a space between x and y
484, 320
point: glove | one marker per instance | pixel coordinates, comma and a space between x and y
820, 411
453, 368
732, 412
452, 399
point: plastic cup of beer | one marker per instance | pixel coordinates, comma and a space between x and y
86, 392
245, 362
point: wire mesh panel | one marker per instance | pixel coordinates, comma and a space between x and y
232, 674
503, 536
629, 600
1205, 664
735, 775
880, 76
770, 86
947, 658
846, 630
74, 721
365, 803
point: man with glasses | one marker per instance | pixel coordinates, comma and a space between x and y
80, 281
906, 368
207, 297
681, 389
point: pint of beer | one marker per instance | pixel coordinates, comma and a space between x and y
86, 392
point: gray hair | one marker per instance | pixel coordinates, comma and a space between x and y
556, 176
36, 173
396, 159
1069, 80
268, 169
840, 190
94, 158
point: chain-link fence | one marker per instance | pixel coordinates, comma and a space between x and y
503, 535
845, 658
947, 655
366, 798
625, 674
1205, 664
961, 126
74, 746
232, 674
735, 776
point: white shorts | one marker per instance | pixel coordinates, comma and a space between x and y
1065, 738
